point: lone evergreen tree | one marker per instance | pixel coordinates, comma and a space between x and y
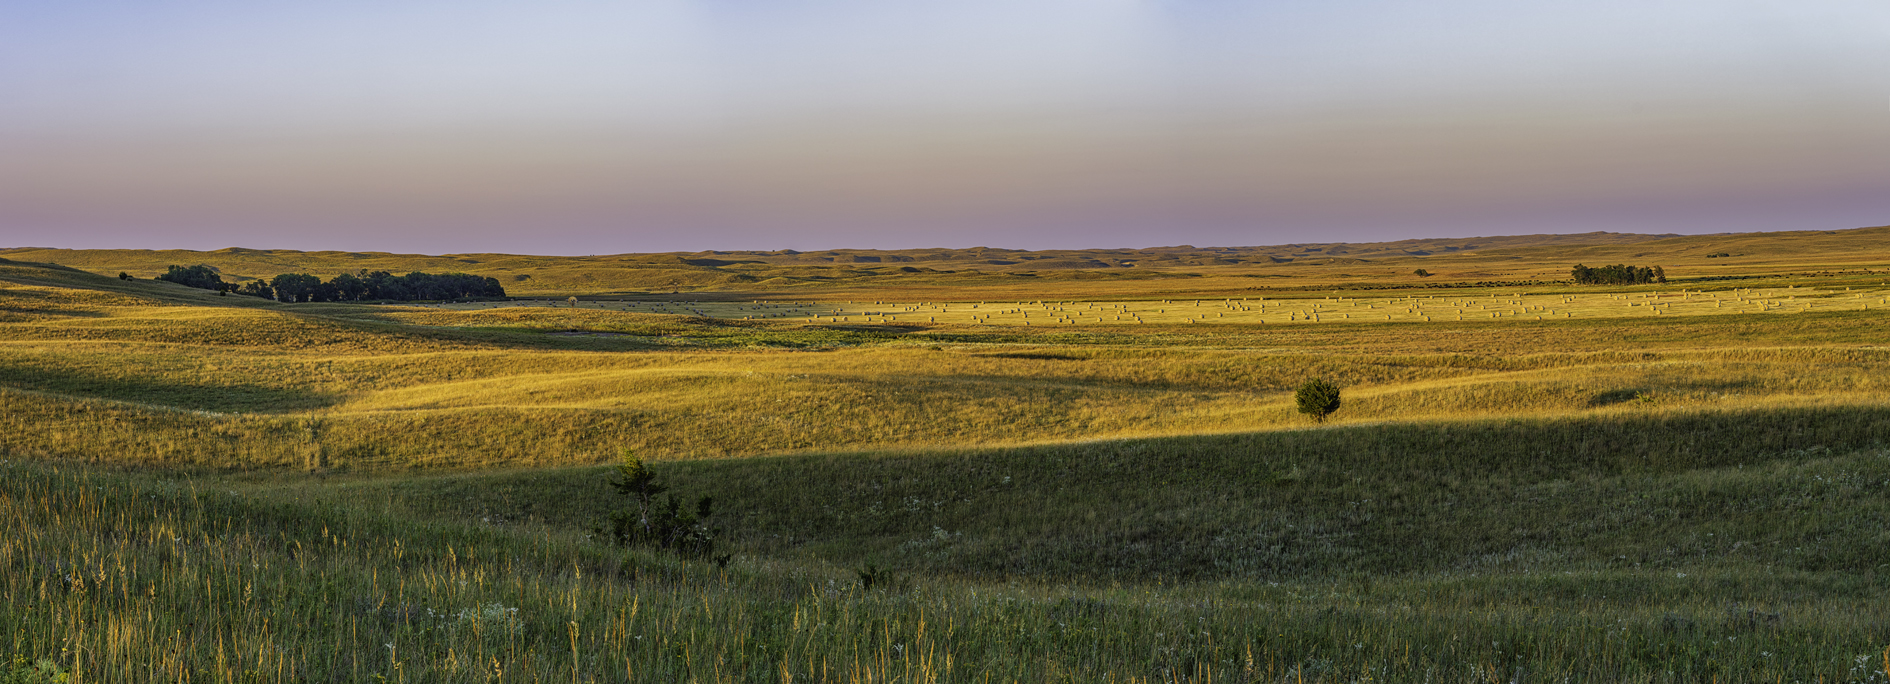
1317, 398
665, 524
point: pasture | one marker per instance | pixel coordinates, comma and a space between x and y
1426, 308
1527, 482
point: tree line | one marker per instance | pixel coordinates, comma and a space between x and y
347, 287
1618, 274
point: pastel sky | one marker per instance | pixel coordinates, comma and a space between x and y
592, 127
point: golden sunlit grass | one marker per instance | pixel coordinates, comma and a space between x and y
151, 378
1257, 310
981, 274
1658, 484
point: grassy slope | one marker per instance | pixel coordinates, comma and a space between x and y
981, 273
149, 372
1416, 555
1521, 497
97, 368
1791, 490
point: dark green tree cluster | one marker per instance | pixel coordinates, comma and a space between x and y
199, 276
660, 524
375, 286
1618, 274
257, 288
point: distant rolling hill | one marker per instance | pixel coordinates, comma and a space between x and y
805, 274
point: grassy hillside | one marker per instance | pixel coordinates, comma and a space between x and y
1783, 489
1450, 554
986, 273
154, 373
200, 487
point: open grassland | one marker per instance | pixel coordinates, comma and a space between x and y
995, 275
1444, 560
1681, 491
154, 373
1563, 303
1648, 484
141, 404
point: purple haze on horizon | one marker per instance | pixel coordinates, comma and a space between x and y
683, 125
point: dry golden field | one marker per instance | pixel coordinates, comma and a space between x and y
986, 274
1425, 308
154, 372
1087, 473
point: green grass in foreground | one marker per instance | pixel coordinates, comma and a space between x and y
1730, 490
1653, 553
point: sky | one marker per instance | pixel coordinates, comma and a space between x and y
594, 127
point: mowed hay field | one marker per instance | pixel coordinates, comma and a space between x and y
1679, 483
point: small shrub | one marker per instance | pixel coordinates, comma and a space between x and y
42, 671
872, 574
663, 524
1318, 398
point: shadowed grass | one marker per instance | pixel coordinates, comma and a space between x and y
141, 577
1790, 489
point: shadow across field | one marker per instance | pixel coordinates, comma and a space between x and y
1787, 488
1612, 397
167, 392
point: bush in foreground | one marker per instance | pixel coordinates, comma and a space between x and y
1317, 398
650, 523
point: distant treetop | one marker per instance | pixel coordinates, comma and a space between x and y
1618, 274
375, 286
199, 276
